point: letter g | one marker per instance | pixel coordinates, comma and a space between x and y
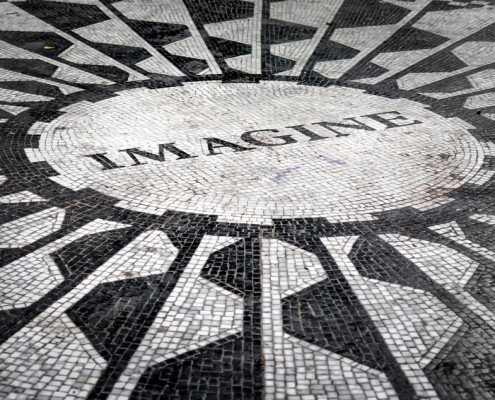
287, 139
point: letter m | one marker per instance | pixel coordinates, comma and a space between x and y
156, 157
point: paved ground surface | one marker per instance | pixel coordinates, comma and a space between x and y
216, 199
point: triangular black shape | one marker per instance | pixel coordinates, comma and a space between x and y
65, 16
232, 268
470, 355
208, 12
410, 38
79, 256
440, 62
127, 55
4, 115
484, 35
275, 64
358, 13
189, 65
366, 70
450, 85
479, 232
38, 68
329, 315
276, 32
227, 369
375, 259
441, 5
112, 314
328, 51
227, 48
37, 42
159, 34
105, 71
32, 87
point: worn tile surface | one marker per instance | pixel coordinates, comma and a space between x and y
247, 199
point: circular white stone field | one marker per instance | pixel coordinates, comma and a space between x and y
404, 157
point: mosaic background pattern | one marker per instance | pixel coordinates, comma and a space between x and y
362, 296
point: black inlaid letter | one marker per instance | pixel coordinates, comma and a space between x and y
387, 121
246, 136
214, 143
305, 131
156, 157
104, 160
359, 125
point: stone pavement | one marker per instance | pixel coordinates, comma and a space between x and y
247, 199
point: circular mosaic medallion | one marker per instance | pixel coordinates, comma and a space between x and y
256, 152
